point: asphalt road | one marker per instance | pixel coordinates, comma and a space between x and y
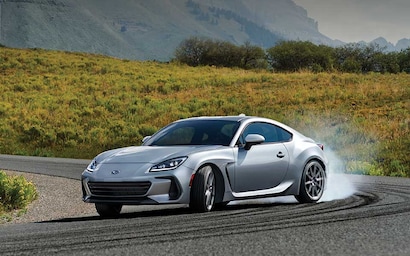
61, 167
373, 221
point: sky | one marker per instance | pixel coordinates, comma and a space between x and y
360, 20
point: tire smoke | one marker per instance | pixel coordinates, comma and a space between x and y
338, 184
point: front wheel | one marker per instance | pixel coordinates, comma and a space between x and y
312, 183
108, 210
203, 190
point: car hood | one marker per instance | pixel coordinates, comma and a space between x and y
149, 154
132, 162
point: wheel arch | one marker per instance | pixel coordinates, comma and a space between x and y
219, 181
303, 196
317, 158
321, 162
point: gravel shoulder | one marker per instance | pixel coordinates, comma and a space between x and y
58, 198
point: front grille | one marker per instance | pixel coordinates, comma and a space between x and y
119, 188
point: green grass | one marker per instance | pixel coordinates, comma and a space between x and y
77, 105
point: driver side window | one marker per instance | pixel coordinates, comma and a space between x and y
253, 128
270, 132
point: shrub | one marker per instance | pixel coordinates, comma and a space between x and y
297, 55
15, 192
366, 168
206, 52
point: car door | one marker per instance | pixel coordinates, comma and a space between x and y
264, 165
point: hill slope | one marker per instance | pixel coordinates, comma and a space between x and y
152, 29
55, 103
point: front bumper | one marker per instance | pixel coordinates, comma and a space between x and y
159, 188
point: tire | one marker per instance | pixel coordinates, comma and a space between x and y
312, 183
203, 190
108, 210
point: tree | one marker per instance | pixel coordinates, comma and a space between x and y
348, 58
386, 63
222, 54
192, 51
293, 56
195, 51
299, 55
369, 57
360, 58
403, 59
253, 57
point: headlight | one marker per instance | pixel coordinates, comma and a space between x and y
168, 164
92, 166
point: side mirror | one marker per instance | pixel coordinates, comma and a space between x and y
253, 139
145, 139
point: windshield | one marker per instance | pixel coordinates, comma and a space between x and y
195, 132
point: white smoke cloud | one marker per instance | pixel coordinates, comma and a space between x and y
338, 184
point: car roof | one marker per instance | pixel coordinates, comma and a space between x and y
244, 118
238, 118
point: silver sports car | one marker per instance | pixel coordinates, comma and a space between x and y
207, 162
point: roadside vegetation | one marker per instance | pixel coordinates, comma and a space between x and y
76, 105
16, 193
291, 56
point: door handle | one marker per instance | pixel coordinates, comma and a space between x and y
280, 155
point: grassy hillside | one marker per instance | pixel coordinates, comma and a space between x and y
77, 105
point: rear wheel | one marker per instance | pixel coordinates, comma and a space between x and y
108, 210
312, 184
203, 190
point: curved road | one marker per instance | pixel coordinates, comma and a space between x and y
373, 221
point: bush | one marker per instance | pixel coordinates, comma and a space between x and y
363, 168
196, 51
298, 55
15, 192
291, 56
